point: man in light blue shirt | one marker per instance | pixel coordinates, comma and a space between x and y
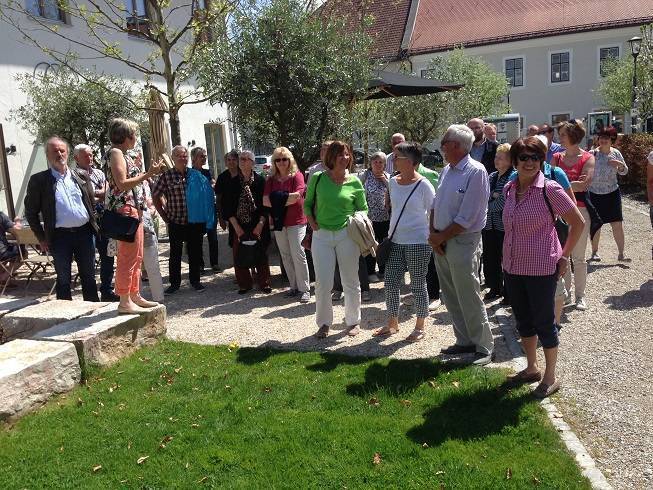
390, 161
63, 200
458, 217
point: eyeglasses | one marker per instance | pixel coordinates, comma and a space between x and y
283, 159
524, 157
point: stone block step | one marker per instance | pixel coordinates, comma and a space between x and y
105, 337
7, 305
27, 321
32, 371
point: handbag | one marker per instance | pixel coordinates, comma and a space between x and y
248, 254
561, 226
384, 248
118, 226
307, 242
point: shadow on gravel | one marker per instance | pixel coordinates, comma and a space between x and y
639, 298
593, 266
466, 415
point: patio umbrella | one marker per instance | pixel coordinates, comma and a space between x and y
159, 134
384, 84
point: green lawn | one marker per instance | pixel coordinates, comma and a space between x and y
252, 418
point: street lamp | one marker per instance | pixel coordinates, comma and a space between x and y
635, 46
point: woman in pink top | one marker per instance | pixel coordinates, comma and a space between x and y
533, 258
578, 164
284, 194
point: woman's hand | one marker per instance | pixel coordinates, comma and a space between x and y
257, 230
239, 231
563, 265
155, 169
313, 223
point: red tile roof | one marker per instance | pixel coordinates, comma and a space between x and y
443, 24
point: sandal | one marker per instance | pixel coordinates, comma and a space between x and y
524, 377
322, 332
354, 330
416, 335
385, 331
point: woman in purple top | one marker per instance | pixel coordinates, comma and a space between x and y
533, 259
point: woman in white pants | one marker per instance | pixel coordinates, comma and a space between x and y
284, 195
332, 197
151, 248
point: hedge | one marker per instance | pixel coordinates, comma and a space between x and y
635, 148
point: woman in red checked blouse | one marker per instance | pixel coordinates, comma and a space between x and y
533, 258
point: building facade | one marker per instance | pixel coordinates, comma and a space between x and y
202, 124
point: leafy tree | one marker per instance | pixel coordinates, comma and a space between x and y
173, 32
424, 118
616, 88
75, 108
288, 75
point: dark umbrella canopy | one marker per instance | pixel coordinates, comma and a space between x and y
384, 84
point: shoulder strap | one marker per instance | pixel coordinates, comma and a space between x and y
404, 207
315, 194
546, 200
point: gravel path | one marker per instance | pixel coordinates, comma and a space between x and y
605, 359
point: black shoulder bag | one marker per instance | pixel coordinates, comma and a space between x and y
562, 228
307, 242
384, 248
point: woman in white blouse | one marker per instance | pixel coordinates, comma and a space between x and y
409, 232
604, 190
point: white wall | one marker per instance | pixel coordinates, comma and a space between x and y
538, 99
19, 56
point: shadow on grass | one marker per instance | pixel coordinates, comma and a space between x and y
400, 376
472, 415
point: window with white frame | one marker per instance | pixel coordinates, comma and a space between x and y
560, 67
48, 9
514, 69
605, 55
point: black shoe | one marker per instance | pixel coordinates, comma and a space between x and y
216, 268
491, 294
244, 291
171, 290
267, 290
110, 296
459, 349
481, 358
198, 287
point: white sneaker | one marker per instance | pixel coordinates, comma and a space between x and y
305, 297
434, 305
580, 304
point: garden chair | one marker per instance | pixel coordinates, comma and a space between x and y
39, 265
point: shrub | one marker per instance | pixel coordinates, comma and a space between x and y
635, 148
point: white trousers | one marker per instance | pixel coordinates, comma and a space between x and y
578, 257
327, 245
151, 264
289, 241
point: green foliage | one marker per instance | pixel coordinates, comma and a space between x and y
76, 108
616, 88
217, 417
424, 118
289, 77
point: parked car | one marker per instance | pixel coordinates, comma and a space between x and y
432, 159
262, 164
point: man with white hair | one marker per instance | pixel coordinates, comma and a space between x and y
458, 217
169, 197
390, 161
83, 155
63, 199
483, 150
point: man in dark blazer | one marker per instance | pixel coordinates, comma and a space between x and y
63, 199
483, 150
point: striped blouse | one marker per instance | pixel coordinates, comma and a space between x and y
495, 204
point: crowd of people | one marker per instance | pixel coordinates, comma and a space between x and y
521, 215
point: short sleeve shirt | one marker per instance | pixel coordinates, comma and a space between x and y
172, 186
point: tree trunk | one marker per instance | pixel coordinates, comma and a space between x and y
175, 128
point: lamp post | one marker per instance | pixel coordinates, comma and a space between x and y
635, 46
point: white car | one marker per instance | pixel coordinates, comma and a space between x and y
262, 164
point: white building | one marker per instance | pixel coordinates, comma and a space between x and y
550, 51
202, 123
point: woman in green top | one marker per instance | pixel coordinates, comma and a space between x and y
332, 197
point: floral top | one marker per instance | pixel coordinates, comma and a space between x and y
115, 198
375, 192
605, 176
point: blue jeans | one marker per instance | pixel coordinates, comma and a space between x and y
77, 243
106, 265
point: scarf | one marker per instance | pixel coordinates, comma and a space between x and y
246, 204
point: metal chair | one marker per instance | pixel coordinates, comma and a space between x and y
40, 265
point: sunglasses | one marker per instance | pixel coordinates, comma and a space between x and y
283, 159
524, 157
